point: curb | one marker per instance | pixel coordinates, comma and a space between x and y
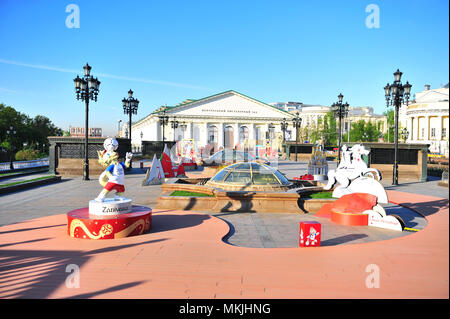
23, 186
19, 174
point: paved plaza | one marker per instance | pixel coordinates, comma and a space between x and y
225, 255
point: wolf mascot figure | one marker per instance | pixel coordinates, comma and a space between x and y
113, 177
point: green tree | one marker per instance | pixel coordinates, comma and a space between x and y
363, 131
32, 131
9, 117
329, 130
389, 136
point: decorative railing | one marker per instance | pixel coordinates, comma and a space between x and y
25, 164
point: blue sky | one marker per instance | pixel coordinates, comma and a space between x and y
169, 51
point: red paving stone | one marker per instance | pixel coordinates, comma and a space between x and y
183, 256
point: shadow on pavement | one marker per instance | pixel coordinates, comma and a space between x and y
163, 222
36, 274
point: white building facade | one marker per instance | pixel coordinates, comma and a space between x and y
228, 120
426, 119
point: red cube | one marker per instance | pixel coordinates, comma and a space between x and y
310, 233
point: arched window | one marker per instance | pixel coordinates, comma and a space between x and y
243, 134
229, 137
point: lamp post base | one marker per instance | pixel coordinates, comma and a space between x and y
86, 172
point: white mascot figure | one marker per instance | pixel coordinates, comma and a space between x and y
113, 177
353, 175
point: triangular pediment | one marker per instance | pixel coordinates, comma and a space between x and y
229, 104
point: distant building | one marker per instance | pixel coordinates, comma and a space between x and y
365, 113
287, 106
79, 131
426, 119
225, 120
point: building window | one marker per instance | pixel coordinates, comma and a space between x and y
422, 135
212, 134
444, 133
433, 132
243, 134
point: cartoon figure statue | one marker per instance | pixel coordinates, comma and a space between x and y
113, 177
312, 236
351, 167
354, 176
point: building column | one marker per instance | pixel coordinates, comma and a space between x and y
220, 133
236, 128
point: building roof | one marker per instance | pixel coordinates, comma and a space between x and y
189, 102
192, 101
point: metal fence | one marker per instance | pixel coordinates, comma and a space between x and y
25, 164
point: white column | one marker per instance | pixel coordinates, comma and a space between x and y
220, 133
236, 128
188, 131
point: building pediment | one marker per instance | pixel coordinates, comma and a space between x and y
228, 104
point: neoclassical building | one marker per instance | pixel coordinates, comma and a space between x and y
426, 119
232, 120
224, 120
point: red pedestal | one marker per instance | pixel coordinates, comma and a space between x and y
310, 233
82, 225
349, 219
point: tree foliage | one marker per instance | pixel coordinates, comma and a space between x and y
330, 130
30, 131
389, 136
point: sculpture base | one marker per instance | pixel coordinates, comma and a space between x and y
110, 206
82, 224
363, 185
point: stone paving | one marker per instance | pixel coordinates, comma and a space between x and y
183, 255
246, 229
269, 230
67, 195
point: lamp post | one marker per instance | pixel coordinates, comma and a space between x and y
396, 93
405, 134
174, 124
11, 132
340, 111
130, 107
118, 127
86, 89
297, 121
284, 126
163, 121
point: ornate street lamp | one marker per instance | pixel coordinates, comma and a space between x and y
130, 107
118, 127
405, 134
284, 127
340, 111
163, 121
297, 121
396, 94
86, 89
12, 133
174, 124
